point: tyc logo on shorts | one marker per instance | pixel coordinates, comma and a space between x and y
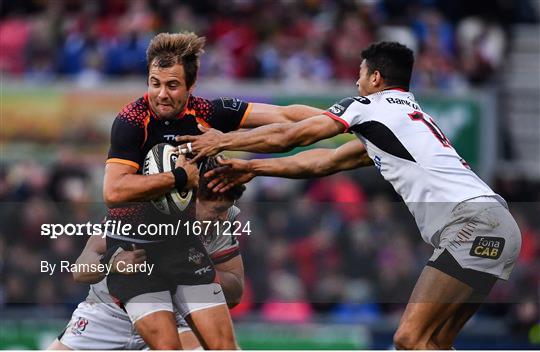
487, 247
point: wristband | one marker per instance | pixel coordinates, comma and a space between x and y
180, 178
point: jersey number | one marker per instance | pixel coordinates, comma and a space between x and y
418, 116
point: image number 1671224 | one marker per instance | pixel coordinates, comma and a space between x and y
221, 228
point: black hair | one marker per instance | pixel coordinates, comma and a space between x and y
203, 192
393, 60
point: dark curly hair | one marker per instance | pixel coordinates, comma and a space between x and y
203, 192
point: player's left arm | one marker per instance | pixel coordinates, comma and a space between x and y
264, 114
274, 138
231, 275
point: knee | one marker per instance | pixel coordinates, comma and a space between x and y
404, 339
408, 339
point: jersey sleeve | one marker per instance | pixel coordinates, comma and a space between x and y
225, 247
228, 114
126, 142
349, 111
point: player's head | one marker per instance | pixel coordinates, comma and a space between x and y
385, 65
211, 205
173, 63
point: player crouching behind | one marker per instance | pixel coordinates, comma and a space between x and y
100, 323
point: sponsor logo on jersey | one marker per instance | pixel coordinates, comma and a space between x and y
169, 137
362, 100
194, 256
79, 326
339, 108
336, 109
487, 247
231, 103
403, 102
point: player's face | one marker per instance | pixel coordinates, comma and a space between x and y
167, 90
365, 82
212, 210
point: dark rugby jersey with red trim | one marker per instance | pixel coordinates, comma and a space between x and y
137, 129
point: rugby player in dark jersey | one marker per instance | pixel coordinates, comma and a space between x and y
169, 109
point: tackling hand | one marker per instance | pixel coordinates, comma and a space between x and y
135, 256
233, 172
206, 144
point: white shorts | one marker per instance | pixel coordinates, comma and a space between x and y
482, 235
189, 299
148, 303
96, 326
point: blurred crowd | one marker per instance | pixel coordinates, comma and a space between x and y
333, 247
457, 43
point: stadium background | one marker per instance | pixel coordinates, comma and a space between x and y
330, 261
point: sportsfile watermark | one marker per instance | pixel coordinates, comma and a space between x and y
118, 227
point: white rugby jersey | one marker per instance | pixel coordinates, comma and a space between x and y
413, 154
220, 249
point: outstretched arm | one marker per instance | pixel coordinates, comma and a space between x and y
272, 138
310, 163
265, 114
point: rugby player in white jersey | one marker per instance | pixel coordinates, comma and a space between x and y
476, 240
101, 323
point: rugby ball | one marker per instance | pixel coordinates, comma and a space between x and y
162, 158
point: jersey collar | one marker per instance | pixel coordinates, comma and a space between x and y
397, 89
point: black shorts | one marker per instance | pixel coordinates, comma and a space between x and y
480, 282
182, 261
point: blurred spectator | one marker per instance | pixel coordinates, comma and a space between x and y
482, 45
307, 41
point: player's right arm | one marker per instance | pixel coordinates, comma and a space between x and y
311, 163
121, 183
